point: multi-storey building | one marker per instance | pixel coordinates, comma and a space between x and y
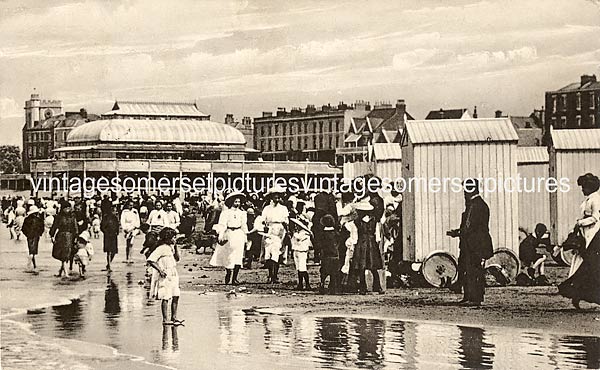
46, 127
576, 105
305, 134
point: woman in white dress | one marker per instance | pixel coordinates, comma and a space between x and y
276, 218
583, 283
232, 229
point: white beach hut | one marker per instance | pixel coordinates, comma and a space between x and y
455, 148
387, 160
573, 153
534, 206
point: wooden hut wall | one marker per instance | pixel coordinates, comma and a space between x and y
565, 207
534, 207
430, 214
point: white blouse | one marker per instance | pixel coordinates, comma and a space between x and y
590, 220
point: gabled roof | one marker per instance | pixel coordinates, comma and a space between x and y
358, 123
446, 114
576, 139
145, 108
461, 131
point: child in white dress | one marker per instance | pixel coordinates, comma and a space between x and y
165, 279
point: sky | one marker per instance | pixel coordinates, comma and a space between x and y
246, 57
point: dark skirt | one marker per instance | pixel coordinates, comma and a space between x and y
110, 244
367, 255
63, 244
585, 282
32, 245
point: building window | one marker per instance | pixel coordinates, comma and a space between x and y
276, 130
563, 122
320, 126
592, 120
578, 121
283, 146
330, 126
269, 131
315, 142
306, 127
262, 130
554, 103
592, 100
564, 102
330, 142
314, 127
337, 125
578, 100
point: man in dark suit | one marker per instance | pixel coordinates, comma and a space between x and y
475, 244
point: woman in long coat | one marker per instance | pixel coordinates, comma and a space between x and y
232, 229
63, 233
110, 229
583, 283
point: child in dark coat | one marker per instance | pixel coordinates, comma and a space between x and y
330, 259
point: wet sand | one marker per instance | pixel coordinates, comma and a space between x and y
538, 308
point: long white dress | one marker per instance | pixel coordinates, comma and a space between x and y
274, 218
589, 223
167, 287
232, 228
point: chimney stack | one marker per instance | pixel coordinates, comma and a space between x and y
498, 114
400, 107
475, 112
229, 119
585, 79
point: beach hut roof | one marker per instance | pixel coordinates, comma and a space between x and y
461, 131
576, 139
532, 154
387, 151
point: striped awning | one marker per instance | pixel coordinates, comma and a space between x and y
352, 138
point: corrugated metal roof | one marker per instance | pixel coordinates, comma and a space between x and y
576, 139
387, 151
156, 131
461, 130
156, 109
532, 154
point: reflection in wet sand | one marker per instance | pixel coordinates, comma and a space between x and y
216, 336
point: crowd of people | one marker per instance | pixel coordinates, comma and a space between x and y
345, 234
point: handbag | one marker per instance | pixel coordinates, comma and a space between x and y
575, 241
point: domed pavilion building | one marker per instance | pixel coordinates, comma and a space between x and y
156, 139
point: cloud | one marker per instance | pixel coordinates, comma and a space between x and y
9, 108
497, 58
